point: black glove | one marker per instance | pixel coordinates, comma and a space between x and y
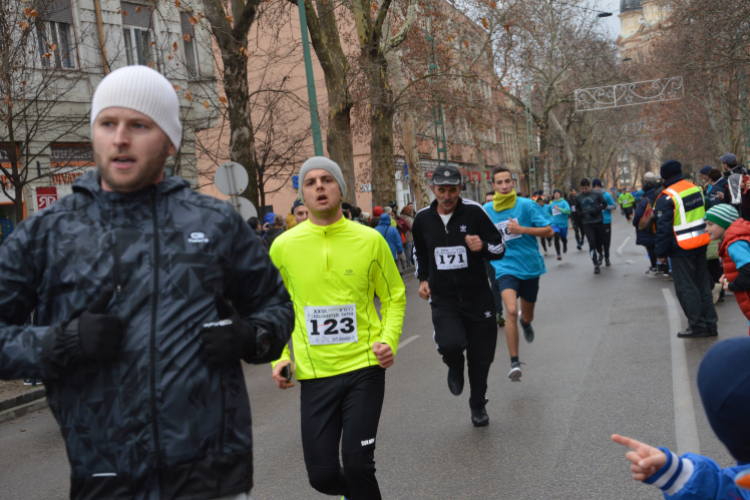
228, 340
99, 333
92, 336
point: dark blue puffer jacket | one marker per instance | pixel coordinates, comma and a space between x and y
157, 422
644, 238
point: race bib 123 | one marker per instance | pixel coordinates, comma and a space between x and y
331, 324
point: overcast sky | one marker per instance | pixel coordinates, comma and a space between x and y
613, 22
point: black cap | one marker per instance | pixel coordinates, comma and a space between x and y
446, 176
392, 204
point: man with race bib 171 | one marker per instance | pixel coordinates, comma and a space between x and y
332, 267
451, 238
521, 222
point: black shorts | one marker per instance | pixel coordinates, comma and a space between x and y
525, 289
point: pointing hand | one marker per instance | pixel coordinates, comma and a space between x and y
645, 460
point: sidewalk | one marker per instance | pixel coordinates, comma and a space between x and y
17, 399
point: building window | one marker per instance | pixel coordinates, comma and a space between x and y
137, 45
190, 47
137, 35
55, 47
191, 59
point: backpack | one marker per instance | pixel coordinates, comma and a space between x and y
403, 226
647, 221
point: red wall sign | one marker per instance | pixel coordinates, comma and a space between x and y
45, 196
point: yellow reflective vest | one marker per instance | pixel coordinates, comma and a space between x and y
332, 273
689, 215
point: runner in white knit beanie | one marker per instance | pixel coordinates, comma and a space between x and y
142, 89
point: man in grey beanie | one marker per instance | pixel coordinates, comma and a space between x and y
146, 296
333, 266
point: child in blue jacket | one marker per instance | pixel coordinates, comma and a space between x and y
724, 385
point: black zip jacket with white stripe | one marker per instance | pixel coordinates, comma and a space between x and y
441, 254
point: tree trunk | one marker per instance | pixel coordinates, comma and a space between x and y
409, 137
242, 138
231, 38
339, 137
416, 176
15, 172
326, 42
381, 126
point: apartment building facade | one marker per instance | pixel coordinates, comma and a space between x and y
72, 45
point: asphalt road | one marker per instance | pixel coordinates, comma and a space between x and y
601, 364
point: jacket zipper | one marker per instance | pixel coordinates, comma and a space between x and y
118, 285
223, 412
222, 427
154, 304
325, 250
447, 243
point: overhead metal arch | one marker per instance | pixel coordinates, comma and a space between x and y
630, 94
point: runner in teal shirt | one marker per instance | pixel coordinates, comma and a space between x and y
607, 219
559, 210
521, 221
522, 258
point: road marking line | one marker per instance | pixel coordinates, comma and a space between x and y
619, 249
402, 344
684, 411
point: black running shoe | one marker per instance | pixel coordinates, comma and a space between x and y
689, 333
480, 418
528, 331
597, 270
607, 262
456, 381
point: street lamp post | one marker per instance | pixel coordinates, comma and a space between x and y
311, 95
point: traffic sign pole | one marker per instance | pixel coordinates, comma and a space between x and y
311, 95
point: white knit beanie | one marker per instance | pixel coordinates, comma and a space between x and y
144, 90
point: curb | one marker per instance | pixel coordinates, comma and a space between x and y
21, 410
15, 407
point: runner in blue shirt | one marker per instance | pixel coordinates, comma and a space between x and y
558, 211
607, 216
521, 222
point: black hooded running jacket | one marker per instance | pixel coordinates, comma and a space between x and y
156, 422
437, 248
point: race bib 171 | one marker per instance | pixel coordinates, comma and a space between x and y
447, 258
331, 324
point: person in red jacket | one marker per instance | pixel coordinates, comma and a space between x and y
723, 223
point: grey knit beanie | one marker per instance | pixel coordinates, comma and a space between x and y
142, 89
326, 164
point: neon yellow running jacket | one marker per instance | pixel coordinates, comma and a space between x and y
331, 272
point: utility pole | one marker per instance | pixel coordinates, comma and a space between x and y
311, 94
